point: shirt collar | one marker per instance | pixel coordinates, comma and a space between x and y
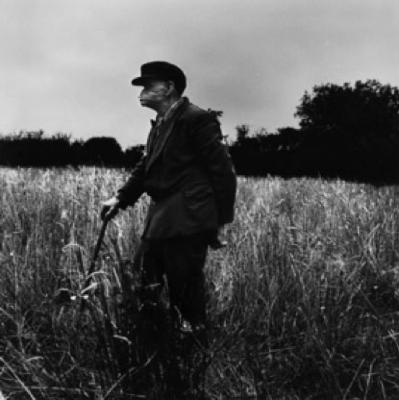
169, 112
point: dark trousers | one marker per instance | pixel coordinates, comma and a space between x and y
181, 261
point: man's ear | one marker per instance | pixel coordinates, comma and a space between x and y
171, 87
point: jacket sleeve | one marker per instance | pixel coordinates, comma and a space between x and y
213, 155
130, 192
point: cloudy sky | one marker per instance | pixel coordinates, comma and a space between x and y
66, 66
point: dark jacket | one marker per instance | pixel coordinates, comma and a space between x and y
187, 172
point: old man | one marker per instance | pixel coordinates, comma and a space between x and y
190, 178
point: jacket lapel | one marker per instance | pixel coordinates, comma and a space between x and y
150, 140
158, 143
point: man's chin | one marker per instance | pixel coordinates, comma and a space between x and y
148, 104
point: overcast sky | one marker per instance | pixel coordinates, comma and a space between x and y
66, 66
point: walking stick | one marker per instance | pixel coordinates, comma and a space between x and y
93, 260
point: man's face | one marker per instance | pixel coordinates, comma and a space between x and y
154, 93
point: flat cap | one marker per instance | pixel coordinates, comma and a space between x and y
161, 70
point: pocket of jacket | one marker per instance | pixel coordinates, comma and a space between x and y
199, 199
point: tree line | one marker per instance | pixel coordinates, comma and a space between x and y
35, 149
349, 131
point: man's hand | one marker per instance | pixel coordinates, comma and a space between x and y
215, 242
110, 209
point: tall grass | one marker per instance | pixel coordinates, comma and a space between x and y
303, 303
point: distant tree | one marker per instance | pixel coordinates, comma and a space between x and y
288, 138
287, 130
77, 157
35, 149
242, 133
352, 130
362, 109
29, 135
66, 137
102, 151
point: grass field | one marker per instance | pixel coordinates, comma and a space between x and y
304, 302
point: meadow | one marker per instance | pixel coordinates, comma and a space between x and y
303, 302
